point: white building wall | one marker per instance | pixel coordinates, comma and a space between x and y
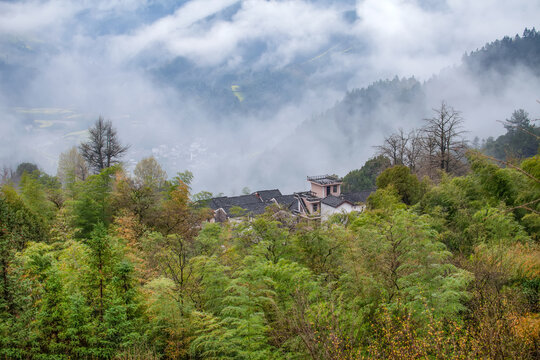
345, 208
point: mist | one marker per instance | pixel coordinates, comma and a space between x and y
247, 93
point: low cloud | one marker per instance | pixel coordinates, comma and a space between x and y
101, 58
287, 28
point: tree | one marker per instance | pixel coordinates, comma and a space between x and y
177, 214
520, 141
364, 178
136, 197
406, 184
18, 226
181, 178
103, 148
71, 167
6, 175
92, 202
149, 173
51, 315
24, 167
395, 148
406, 263
101, 264
443, 131
414, 151
35, 197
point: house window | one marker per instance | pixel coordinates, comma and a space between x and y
327, 190
335, 188
314, 207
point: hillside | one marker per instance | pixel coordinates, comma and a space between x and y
487, 86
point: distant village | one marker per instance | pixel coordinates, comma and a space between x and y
322, 201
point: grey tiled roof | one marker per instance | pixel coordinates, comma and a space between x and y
252, 209
358, 197
219, 202
308, 195
353, 198
333, 201
285, 200
324, 179
242, 201
294, 207
256, 205
251, 203
268, 194
288, 201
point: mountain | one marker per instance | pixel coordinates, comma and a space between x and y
487, 86
262, 88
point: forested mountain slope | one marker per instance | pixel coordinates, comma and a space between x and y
488, 86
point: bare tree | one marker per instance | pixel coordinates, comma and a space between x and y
428, 159
395, 148
414, 150
103, 148
6, 175
443, 131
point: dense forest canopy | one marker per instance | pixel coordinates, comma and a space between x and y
443, 263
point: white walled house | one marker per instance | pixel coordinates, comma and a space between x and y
325, 198
338, 205
322, 201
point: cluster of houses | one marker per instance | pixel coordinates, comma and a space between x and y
323, 200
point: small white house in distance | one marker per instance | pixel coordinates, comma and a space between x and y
325, 198
322, 201
343, 204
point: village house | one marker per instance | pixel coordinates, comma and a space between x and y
322, 201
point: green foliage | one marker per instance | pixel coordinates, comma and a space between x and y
238, 332
35, 197
23, 168
181, 178
237, 211
385, 199
92, 202
52, 316
270, 238
202, 198
498, 183
364, 178
18, 227
406, 184
149, 173
320, 249
453, 276
19, 223
520, 140
494, 227
403, 263
209, 239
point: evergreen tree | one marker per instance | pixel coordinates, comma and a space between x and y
520, 141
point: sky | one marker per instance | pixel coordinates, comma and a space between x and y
213, 85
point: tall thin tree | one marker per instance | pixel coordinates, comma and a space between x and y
103, 149
444, 129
